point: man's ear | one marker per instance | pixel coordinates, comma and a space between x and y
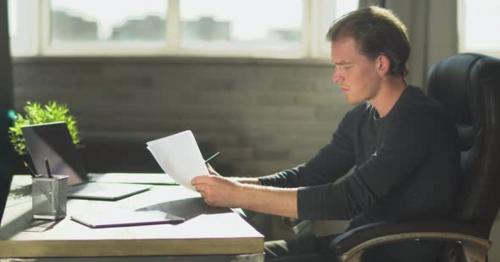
383, 65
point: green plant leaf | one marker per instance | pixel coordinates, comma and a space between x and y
35, 113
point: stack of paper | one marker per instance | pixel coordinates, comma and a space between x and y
179, 156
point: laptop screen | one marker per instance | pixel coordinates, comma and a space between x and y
52, 141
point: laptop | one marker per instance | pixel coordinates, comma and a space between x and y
52, 141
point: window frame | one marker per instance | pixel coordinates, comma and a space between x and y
27, 43
312, 40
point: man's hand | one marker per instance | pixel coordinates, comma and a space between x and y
216, 190
246, 193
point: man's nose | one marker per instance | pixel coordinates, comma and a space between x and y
336, 77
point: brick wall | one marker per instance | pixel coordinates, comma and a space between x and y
262, 115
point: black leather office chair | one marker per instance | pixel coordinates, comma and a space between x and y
468, 85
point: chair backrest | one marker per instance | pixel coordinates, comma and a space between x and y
468, 86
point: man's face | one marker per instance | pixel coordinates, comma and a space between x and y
356, 75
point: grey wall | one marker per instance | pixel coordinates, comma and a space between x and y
262, 115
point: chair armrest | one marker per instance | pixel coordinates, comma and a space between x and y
354, 242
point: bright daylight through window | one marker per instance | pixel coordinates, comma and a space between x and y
241, 25
12, 18
243, 28
92, 21
479, 23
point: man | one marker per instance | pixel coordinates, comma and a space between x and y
399, 151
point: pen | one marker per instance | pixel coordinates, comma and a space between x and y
48, 168
212, 157
32, 173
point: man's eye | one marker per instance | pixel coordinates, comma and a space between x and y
342, 67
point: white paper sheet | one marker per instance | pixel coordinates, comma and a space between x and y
179, 156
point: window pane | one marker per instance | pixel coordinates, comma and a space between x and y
481, 25
108, 21
241, 25
12, 18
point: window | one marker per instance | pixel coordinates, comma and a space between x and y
479, 23
92, 21
328, 12
236, 25
23, 19
12, 18
244, 28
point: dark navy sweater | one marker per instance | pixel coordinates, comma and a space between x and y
404, 166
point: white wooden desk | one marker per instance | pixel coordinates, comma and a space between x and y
206, 231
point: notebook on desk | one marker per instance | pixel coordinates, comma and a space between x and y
52, 141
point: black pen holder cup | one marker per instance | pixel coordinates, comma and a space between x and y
49, 197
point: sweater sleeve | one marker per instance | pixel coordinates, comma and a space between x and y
330, 163
406, 145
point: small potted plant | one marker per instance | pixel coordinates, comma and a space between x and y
36, 113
